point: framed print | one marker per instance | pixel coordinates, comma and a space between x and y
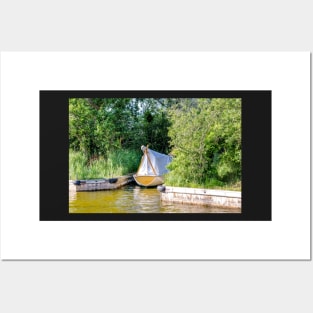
85, 197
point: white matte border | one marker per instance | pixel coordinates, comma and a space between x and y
24, 74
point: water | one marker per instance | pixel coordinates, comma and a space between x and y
132, 199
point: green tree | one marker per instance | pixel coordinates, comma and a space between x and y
224, 139
205, 136
98, 126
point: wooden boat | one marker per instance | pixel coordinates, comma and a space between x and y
100, 184
149, 180
152, 168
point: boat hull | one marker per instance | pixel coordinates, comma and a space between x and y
149, 180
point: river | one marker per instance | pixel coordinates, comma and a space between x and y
132, 199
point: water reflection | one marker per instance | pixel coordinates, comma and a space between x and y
132, 199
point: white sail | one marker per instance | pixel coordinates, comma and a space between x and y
153, 163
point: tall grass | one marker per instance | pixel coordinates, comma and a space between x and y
120, 162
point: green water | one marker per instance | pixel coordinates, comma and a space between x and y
132, 199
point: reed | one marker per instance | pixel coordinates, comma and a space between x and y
120, 162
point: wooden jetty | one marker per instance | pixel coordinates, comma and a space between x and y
100, 184
198, 196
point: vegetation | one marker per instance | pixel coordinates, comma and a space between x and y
105, 135
116, 164
206, 143
100, 126
203, 135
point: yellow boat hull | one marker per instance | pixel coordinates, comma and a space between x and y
149, 181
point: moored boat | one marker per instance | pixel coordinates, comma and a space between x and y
152, 168
149, 180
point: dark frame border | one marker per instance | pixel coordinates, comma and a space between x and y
256, 156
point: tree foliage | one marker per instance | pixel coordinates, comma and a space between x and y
99, 126
205, 137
